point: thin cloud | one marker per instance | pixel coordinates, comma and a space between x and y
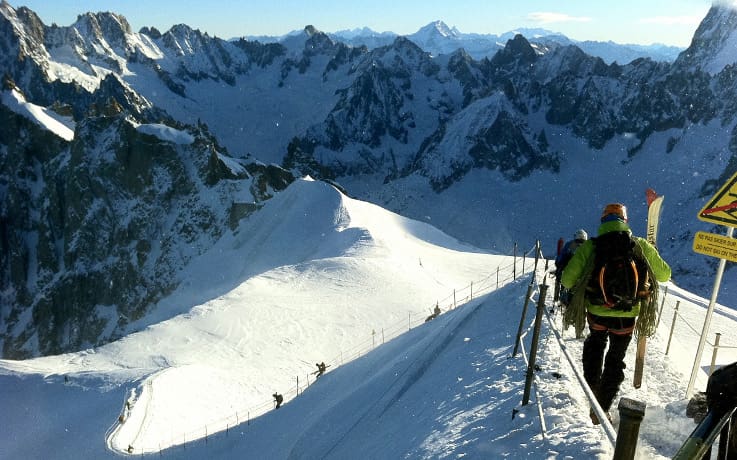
672, 20
546, 17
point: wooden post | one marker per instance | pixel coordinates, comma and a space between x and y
514, 258
672, 326
522, 320
631, 413
524, 257
533, 346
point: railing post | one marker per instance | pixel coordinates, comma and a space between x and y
672, 326
524, 258
714, 353
631, 413
514, 258
522, 320
533, 346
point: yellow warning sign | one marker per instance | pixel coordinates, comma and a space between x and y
715, 245
722, 208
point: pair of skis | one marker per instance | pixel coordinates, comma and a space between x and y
654, 203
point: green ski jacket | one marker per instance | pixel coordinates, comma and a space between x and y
575, 268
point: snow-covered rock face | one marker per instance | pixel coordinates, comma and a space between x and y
97, 220
714, 45
406, 113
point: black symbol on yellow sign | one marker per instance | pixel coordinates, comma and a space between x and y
722, 208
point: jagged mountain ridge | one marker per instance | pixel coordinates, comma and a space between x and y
438, 38
94, 230
393, 125
95, 227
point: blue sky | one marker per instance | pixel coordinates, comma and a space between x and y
671, 22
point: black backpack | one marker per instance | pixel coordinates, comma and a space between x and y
620, 277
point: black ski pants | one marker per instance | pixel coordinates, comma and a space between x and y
605, 374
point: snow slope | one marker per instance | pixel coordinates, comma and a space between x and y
59, 125
328, 278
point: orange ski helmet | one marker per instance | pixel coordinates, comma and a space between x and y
614, 211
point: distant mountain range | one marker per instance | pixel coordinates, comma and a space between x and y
124, 155
437, 38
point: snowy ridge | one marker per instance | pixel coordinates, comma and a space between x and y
43, 117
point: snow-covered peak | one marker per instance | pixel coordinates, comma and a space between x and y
437, 28
295, 43
110, 27
714, 45
94, 46
357, 32
438, 38
28, 30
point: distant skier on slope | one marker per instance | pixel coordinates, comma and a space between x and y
435, 313
278, 399
321, 367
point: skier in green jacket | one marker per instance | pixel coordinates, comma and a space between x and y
604, 375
